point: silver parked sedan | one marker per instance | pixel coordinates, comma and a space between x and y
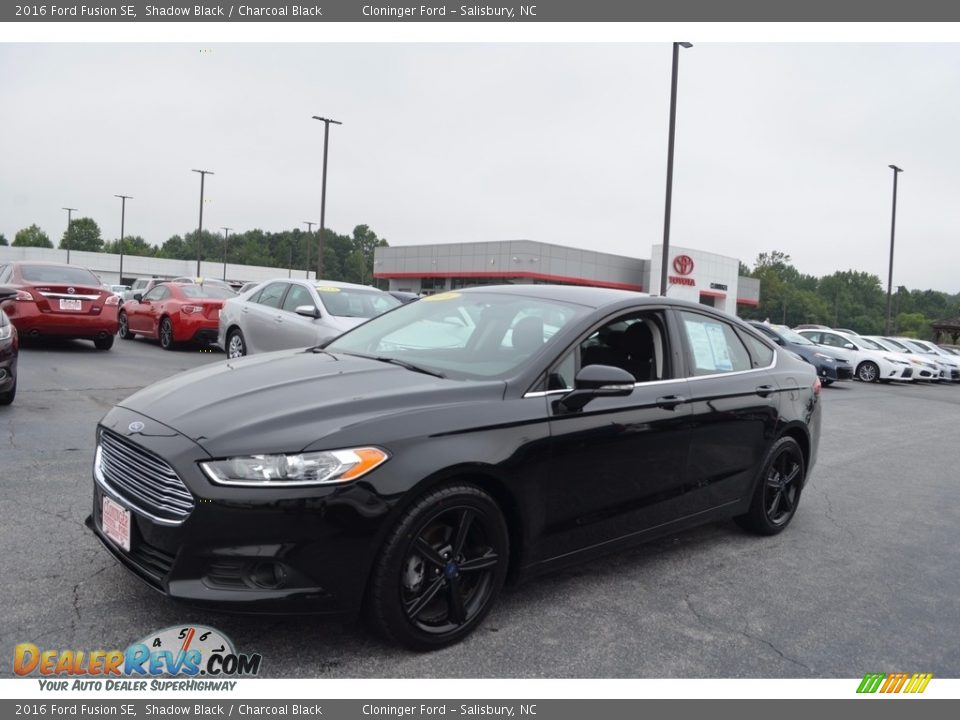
288, 313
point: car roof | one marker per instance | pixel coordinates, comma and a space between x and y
578, 294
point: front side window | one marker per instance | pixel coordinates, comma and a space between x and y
713, 345
297, 295
462, 335
157, 293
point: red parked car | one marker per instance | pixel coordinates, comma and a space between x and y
57, 300
175, 312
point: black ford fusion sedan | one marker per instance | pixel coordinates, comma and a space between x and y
411, 466
9, 350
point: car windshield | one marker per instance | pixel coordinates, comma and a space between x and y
870, 344
216, 292
790, 336
920, 347
58, 274
462, 335
353, 302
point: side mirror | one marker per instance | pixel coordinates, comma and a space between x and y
310, 311
849, 346
595, 381
138, 297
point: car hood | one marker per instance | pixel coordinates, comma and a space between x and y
285, 401
808, 351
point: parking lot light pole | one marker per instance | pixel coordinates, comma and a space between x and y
70, 212
123, 217
226, 234
309, 225
893, 229
323, 189
203, 175
670, 142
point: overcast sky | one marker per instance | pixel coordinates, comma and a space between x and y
778, 146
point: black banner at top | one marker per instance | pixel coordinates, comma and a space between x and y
492, 11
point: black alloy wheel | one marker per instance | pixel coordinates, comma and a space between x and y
778, 489
166, 334
124, 327
103, 343
441, 569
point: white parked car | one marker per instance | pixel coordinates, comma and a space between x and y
871, 363
950, 364
290, 313
924, 367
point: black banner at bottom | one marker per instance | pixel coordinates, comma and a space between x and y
873, 707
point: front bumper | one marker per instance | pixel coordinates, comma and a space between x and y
286, 550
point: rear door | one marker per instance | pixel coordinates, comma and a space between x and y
734, 408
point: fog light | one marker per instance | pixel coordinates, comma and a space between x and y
267, 575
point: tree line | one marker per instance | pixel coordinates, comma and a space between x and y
347, 258
848, 299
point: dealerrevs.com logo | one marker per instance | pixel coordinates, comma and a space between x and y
888, 683
181, 651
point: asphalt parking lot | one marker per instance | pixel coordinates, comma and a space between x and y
867, 578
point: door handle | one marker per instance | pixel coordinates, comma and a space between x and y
765, 390
669, 402
245, 311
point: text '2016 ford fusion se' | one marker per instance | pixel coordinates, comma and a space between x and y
412, 465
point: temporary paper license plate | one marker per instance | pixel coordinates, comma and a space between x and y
116, 523
70, 305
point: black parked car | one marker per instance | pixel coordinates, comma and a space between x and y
9, 349
545, 425
831, 365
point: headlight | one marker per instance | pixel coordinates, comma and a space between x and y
6, 332
825, 358
311, 468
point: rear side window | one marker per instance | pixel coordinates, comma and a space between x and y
271, 295
760, 352
713, 345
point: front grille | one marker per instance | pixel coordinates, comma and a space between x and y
144, 480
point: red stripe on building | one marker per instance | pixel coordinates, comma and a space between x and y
745, 301
501, 274
713, 293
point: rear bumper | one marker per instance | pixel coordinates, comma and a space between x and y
31, 321
188, 328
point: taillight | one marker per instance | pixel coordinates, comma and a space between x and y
24, 296
112, 300
816, 386
191, 309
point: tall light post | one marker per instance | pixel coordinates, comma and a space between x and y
226, 234
893, 229
123, 217
309, 225
203, 176
323, 189
670, 143
70, 212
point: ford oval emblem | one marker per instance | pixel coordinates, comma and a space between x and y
135, 426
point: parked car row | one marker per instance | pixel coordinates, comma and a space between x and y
877, 358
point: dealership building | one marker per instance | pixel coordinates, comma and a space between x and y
694, 275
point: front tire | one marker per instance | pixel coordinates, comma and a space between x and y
166, 334
778, 489
868, 372
236, 345
124, 327
441, 569
103, 343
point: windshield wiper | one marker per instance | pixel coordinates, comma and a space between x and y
409, 366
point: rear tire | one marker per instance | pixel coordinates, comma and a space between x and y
103, 343
7, 397
778, 489
440, 570
166, 334
236, 345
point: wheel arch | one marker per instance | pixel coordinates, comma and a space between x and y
801, 435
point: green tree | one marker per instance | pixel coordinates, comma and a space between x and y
913, 325
3, 239
132, 245
32, 237
82, 234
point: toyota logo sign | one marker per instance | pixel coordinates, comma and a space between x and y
683, 264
